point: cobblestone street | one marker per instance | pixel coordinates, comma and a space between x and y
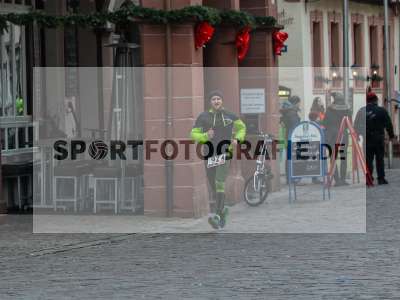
207, 265
344, 213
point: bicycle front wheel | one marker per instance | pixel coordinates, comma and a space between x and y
255, 190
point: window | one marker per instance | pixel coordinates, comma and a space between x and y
316, 43
71, 53
15, 123
357, 45
317, 54
39, 4
317, 48
335, 48
358, 50
335, 42
335, 55
382, 71
374, 52
12, 73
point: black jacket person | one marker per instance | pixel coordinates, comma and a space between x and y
333, 119
289, 118
371, 123
290, 114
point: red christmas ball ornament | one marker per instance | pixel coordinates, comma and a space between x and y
279, 38
243, 42
203, 34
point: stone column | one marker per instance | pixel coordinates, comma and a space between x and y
190, 196
261, 61
222, 73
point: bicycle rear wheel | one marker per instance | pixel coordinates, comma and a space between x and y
256, 190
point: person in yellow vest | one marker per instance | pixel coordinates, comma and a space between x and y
218, 127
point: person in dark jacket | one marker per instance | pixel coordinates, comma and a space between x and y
289, 118
290, 113
371, 122
317, 111
317, 115
333, 118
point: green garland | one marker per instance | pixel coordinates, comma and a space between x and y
127, 13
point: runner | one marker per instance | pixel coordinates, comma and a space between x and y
221, 130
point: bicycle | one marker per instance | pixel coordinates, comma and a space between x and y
258, 186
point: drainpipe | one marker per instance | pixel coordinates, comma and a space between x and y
387, 75
169, 165
346, 51
99, 63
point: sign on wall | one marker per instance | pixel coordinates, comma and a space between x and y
252, 101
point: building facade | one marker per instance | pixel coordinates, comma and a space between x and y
159, 113
315, 51
16, 126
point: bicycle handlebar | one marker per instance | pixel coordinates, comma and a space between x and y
266, 135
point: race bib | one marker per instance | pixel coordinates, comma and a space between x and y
216, 160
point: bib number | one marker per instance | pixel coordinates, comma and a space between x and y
216, 160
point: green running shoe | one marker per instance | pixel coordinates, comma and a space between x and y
214, 221
223, 216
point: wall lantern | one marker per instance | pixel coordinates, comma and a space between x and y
374, 74
357, 73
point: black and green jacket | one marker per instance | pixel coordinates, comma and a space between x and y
226, 125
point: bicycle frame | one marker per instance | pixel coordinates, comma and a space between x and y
260, 163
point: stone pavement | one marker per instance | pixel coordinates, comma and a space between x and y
344, 213
208, 265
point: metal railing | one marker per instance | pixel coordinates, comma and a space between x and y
17, 135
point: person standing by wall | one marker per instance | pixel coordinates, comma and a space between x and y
371, 123
317, 111
289, 119
333, 118
317, 115
221, 130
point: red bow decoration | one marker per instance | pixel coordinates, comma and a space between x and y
203, 34
279, 38
243, 42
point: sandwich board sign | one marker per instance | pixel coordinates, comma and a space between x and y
306, 155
